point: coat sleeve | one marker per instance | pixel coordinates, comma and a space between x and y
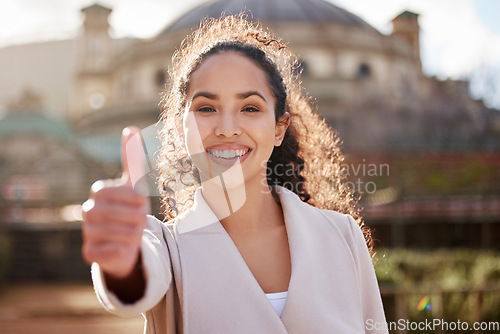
373, 311
156, 268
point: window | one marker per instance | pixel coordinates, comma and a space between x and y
160, 79
364, 71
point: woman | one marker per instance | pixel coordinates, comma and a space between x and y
247, 174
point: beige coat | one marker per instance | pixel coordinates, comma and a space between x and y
198, 282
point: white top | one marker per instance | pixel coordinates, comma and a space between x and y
277, 300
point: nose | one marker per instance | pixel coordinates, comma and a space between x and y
228, 126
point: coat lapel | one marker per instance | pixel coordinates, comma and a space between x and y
323, 295
220, 294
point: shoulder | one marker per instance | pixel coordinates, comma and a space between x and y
340, 220
157, 227
154, 223
343, 224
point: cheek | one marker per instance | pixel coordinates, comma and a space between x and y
193, 134
264, 133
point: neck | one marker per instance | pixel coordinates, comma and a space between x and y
248, 208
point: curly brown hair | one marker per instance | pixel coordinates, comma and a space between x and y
310, 148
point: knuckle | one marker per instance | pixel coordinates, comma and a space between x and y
90, 212
130, 191
102, 188
87, 218
133, 197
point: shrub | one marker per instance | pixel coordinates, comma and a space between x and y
5, 247
461, 284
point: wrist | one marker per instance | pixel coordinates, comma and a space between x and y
130, 287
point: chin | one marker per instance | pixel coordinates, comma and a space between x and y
227, 188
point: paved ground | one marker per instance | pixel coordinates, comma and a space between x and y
58, 309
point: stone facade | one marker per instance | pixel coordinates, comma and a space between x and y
341, 62
367, 85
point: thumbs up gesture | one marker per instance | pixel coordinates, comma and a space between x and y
114, 216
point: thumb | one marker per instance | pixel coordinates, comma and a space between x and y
134, 160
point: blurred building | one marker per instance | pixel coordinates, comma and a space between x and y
43, 168
44, 177
64, 104
346, 64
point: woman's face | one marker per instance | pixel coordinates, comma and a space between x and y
230, 118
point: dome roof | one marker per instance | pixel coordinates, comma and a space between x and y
28, 123
310, 11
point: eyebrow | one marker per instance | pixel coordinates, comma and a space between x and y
251, 93
242, 96
207, 95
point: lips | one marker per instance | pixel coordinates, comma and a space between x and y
228, 154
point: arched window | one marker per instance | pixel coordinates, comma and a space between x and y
160, 79
364, 71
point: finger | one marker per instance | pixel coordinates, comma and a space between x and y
106, 253
117, 193
114, 259
99, 213
113, 233
134, 160
192, 135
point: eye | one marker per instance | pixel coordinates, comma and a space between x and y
250, 109
205, 109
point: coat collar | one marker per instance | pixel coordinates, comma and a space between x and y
201, 215
216, 280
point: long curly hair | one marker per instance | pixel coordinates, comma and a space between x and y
309, 160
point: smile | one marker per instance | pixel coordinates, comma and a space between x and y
228, 154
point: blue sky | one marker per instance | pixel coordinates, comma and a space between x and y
489, 13
457, 36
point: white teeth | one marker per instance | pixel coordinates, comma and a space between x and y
227, 154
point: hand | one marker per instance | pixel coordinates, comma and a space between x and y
114, 216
